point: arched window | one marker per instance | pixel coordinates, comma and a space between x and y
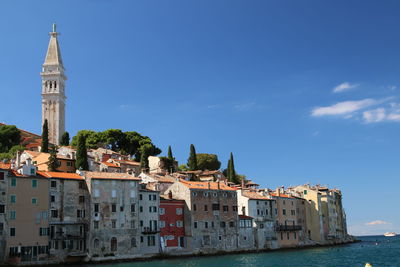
55, 84
51, 84
113, 244
96, 243
133, 242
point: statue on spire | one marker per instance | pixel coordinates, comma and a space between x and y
54, 27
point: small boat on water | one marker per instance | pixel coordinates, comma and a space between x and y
390, 234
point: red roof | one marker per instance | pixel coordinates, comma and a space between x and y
245, 217
281, 195
207, 185
5, 166
109, 164
60, 175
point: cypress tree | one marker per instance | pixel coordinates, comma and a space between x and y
64, 139
171, 160
45, 137
232, 177
192, 160
53, 163
144, 157
81, 154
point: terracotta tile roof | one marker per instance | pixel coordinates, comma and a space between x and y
5, 166
111, 176
209, 172
32, 153
164, 179
254, 195
245, 217
128, 162
60, 175
281, 195
207, 185
109, 164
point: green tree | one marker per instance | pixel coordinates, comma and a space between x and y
64, 139
170, 161
81, 154
192, 160
208, 162
9, 136
231, 173
183, 167
144, 158
52, 164
45, 137
11, 154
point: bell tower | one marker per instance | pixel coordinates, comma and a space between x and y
53, 90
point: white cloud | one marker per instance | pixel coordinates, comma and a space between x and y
377, 222
344, 87
244, 106
343, 108
392, 87
376, 115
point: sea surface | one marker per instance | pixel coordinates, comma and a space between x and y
377, 250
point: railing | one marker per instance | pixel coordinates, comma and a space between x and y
283, 227
149, 231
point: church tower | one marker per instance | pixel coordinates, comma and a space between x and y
53, 90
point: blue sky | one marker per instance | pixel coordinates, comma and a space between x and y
299, 91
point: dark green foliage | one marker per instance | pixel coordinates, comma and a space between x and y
45, 137
81, 154
146, 150
170, 161
52, 164
9, 136
192, 160
230, 171
208, 162
11, 153
183, 167
64, 139
127, 143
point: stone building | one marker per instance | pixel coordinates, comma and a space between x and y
113, 215
211, 215
246, 233
4, 181
53, 90
68, 219
264, 212
149, 203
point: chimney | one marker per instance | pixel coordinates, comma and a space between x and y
219, 187
278, 192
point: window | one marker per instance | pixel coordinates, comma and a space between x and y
281, 235
141, 239
154, 197
153, 209
1, 176
54, 213
69, 164
96, 193
212, 225
133, 207
113, 193
141, 209
12, 231
205, 194
2, 209
206, 240
194, 194
194, 207
81, 199
225, 208
13, 214
140, 197
205, 224
162, 224
149, 197
80, 213
178, 211
133, 224
133, 242
305, 192
34, 201
96, 207
276, 211
294, 235
287, 234
13, 182
266, 212
43, 231
133, 194
215, 206
205, 208
53, 184
52, 198
141, 223
13, 199
34, 183
96, 224
231, 224
151, 241
113, 208
179, 224
283, 211
195, 225
113, 224
261, 225
162, 211
223, 224
235, 208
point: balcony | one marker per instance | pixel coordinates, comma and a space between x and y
283, 227
149, 231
